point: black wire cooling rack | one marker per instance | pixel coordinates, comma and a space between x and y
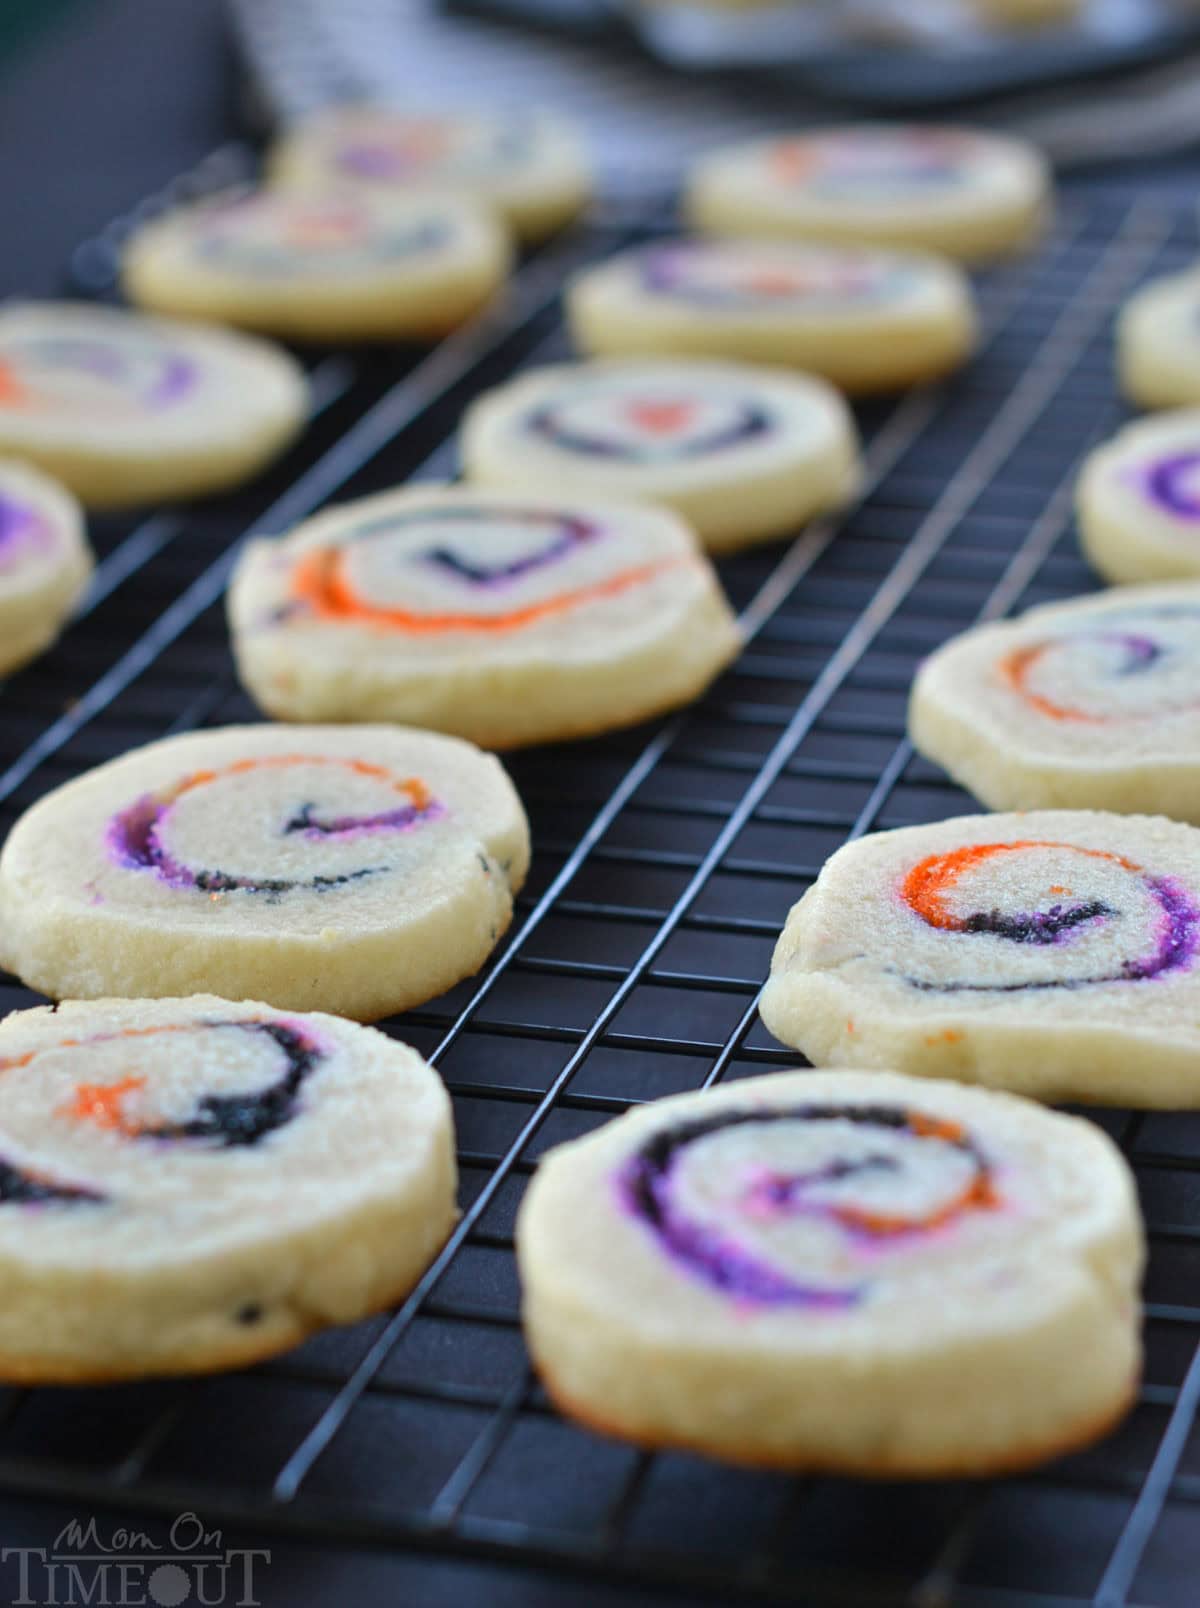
665, 861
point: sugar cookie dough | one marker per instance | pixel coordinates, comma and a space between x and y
971, 195
838, 1271
358, 871
1089, 704
124, 409
192, 1184
328, 265
744, 454
499, 615
868, 320
45, 561
1053, 953
1138, 501
1158, 343
530, 167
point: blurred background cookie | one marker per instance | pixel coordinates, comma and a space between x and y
124, 409
744, 454
321, 265
45, 561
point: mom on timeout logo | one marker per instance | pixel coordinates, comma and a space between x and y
87, 1567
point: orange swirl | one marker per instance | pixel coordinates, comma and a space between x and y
930, 880
319, 581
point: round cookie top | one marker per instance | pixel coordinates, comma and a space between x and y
767, 281
137, 1135
1139, 500
305, 236
270, 829
867, 319
1053, 952
810, 1211
1158, 342
301, 260
642, 428
436, 574
530, 167
41, 536
82, 382
1108, 682
968, 193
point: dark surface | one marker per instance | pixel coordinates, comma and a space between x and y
639, 981
101, 107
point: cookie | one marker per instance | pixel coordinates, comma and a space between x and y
743, 454
1138, 501
838, 1271
124, 409
497, 615
1052, 953
332, 265
530, 168
973, 196
1158, 343
360, 872
868, 320
45, 562
192, 1184
1090, 704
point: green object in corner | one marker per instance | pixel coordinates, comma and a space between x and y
22, 20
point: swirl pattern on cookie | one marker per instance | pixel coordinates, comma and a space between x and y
144, 835
966, 892
95, 375
320, 264
1138, 501
530, 167
1091, 702
1053, 953
864, 318
649, 429
445, 557
361, 869
124, 409
271, 235
837, 1270
750, 279
971, 195
439, 606
45, 561
744, 454
182, 1179
882, 1175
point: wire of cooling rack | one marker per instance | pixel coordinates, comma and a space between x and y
665, 861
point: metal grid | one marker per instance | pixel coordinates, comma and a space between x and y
665, 861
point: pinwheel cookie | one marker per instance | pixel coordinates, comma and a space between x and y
530, 168
744, 454
501, 616
355, 871
1158, 343
1139, 501
1086, 704
1053, 953
972, 195
855, 1272
192, 1184
124, 409
868, 320
325, 265
45, 562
